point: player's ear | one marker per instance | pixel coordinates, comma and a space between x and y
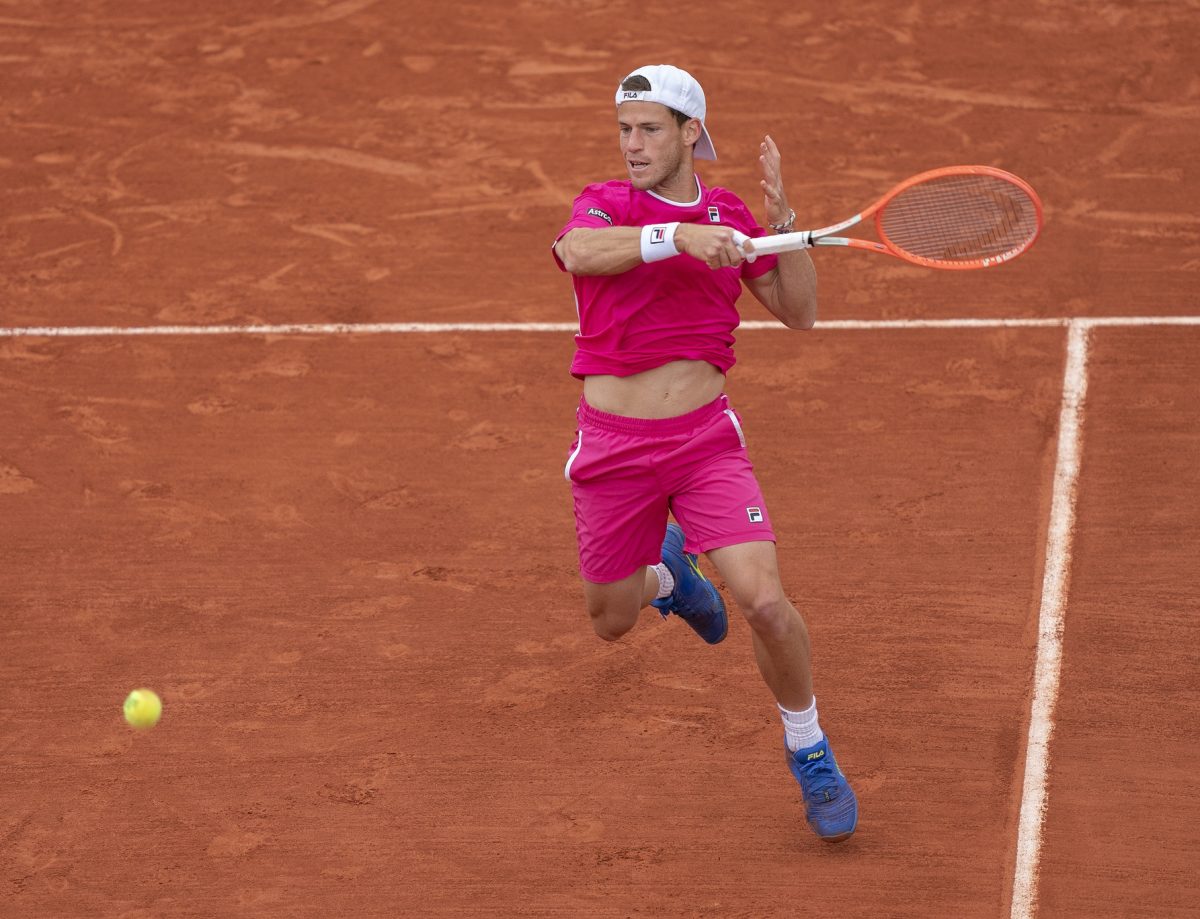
691, 131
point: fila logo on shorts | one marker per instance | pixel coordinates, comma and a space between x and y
755, 514
714, 215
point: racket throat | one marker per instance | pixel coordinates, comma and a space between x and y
835, 228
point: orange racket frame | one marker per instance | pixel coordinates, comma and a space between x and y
807, 239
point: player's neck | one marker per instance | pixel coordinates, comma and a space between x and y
682, 187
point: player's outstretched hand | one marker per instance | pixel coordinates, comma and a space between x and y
774, 197
715, 246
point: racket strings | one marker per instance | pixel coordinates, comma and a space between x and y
954, 218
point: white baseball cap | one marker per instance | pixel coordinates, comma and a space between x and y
675, 89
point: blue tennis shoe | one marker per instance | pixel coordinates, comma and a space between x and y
695, 600
829, 802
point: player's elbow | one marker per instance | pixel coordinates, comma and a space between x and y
801, 319
803, 323
579, 266
794, 304
572, 259
566, 256
575, 254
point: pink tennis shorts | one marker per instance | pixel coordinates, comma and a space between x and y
627, 473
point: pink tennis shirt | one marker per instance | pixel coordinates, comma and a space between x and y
658, 312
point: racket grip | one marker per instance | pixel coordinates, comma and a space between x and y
785, 242
769, 245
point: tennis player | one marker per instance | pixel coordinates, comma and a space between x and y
656, 273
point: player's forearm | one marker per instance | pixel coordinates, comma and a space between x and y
795, 290
612, 250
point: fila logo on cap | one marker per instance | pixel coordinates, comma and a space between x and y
676, 89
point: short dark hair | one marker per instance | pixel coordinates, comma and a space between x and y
639, 84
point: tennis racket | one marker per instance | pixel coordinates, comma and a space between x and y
954, 217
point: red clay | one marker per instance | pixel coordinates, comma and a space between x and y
348, 566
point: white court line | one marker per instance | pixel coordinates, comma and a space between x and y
419, 328
1055, 579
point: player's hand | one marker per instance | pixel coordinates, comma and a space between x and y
774, 197
712, 245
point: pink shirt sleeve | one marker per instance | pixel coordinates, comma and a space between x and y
595, 208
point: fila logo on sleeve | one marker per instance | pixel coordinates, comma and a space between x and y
714, 215
755, 514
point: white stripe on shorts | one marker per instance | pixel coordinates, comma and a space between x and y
571, 458
737, 426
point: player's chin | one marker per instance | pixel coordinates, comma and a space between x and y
641, 179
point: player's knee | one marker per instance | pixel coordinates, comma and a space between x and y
610, 621
769, 613
609, 631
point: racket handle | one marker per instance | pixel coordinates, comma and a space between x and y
784, 242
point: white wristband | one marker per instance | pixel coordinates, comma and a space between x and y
658, 241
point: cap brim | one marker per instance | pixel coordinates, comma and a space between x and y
704, 149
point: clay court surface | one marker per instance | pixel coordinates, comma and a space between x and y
344, 554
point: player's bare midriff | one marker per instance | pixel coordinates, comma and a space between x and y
663, 392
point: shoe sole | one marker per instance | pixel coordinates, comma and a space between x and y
842, 838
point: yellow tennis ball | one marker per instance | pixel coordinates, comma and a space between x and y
143, 708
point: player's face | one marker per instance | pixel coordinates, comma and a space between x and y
655, 146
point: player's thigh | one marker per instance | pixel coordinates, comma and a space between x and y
618, 535
620, 507
750, 571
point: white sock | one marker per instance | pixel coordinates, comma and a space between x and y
666, 581
801, 728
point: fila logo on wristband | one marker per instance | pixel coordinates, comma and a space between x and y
658, 241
